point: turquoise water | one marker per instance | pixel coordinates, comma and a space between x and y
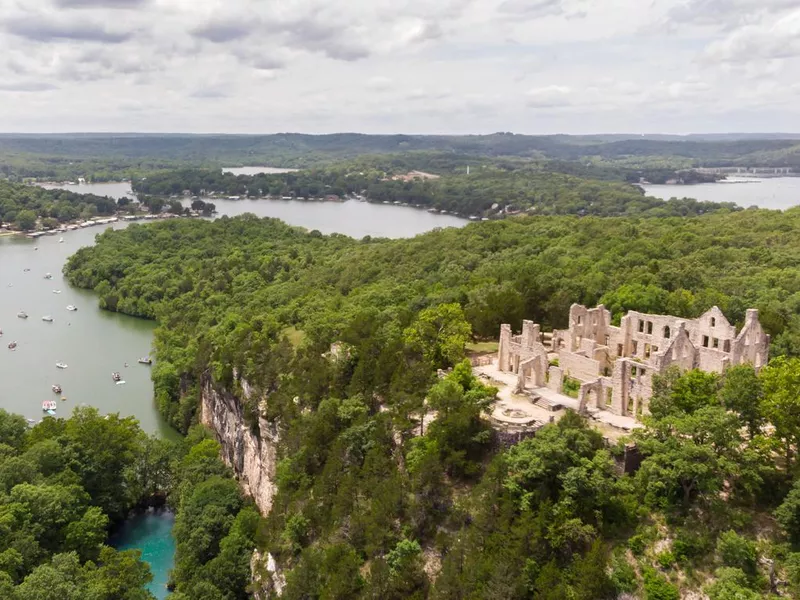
150, 532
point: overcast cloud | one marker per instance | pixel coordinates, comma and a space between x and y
410, 66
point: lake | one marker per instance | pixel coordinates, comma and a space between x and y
352, 217
113, 189
93, 343
775, 193
150, 532
256, 170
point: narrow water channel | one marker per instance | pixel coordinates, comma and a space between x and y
151, 533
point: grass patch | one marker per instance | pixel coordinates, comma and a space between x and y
481, 347
296, 336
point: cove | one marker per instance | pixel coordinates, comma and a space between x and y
777, 193
150, 532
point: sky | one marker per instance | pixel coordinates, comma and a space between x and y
400, 66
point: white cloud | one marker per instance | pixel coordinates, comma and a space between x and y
460, 66
551, 96
768, 39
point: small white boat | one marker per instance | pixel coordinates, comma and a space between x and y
48, 276
61, 240
146, 361
61, 365
56, 291
121, 382
71, 308
22, 314
47, 319
49, 405
56, 389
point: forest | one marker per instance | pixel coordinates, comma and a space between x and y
369, 508
22, 205
98, 156
492, 189
66, 483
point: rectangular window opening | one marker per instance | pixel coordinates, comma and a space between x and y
705, 341
650, 328
715, 343
619, 349
647, 350
641, 326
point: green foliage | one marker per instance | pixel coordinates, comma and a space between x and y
23, 205
623, 575
693, 446
742, 392
665, 559
781, 382
439, 335
731, 584
788, 514
571, 386
61, 484
656, 586
377, 454
493, 189
737, 552
792, 566
215, 528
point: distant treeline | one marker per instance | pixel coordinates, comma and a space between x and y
299, 150
488, 189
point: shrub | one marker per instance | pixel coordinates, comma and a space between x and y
688, 545
623, 575
788, 514
656, 587
737, 551
665, 559
570, 387
637, 544
731, 584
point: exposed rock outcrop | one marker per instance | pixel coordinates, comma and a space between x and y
268, 580
253, 457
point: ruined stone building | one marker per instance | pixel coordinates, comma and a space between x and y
615, 365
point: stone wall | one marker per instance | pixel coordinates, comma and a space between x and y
579, 367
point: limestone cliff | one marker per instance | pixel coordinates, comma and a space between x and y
252, 457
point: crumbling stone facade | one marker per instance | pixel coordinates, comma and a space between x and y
615, 364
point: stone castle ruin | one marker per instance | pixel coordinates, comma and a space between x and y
614, 366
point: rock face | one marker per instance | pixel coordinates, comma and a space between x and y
268, 580
252, 457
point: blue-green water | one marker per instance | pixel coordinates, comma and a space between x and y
150, 532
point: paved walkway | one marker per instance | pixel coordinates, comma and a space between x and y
519, 409
511, 407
